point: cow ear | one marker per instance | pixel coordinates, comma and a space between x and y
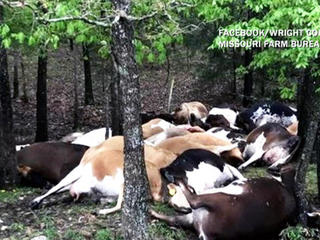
293, 141
178, 109
192, 119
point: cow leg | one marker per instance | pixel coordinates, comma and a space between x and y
255, 157
63, 185
280, 162
185, 220
115, 208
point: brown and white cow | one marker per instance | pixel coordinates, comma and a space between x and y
182, 114
101, 170
50, 161
230, 152
245, 209
270, 142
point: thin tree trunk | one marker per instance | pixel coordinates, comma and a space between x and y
248, 80
309, 115
115, 92
136, 187
234, 80
24, 81
15, 76
317, 158
42, 118
88, 94
75, 87
8, 163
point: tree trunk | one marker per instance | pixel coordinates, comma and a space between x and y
234, 80
42, 118
88, 94
75, 87
136, 187
8, 163
248, 80
308, 115
24, 81
15, 76
115, 92
317, 158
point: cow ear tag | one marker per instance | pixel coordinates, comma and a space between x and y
172, 190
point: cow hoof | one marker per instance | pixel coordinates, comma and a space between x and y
34, 205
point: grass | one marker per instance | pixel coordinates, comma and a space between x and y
73, 235
299, 233
13, 195
311, 179
106, 234
160, 230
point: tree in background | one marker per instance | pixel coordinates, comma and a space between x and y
42, 112
272, 15
8, 163
88, 94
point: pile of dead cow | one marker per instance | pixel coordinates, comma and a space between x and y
194, 158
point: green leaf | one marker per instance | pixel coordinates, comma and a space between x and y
6, 42
20, 37
5, 30
151, 57
70, 29
81, 38
32, 41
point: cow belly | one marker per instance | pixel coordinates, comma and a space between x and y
108, 186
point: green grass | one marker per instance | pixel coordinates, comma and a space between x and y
12, 195
299, 233
163, 208
160, 230
73, 235
311, 179
103, 234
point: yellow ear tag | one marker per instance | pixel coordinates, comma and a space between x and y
172, 191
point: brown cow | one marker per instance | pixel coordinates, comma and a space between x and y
51, 161
245, 209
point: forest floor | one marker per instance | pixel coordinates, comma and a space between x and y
60, 218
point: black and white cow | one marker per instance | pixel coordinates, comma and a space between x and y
200, 169
228, 113
270, 142
218, 117
262, 113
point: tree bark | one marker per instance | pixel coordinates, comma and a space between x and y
248, 80
136, 187
8, 163
15, 76
42, 118
24, 81
308, 115
88, 94
75, 87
